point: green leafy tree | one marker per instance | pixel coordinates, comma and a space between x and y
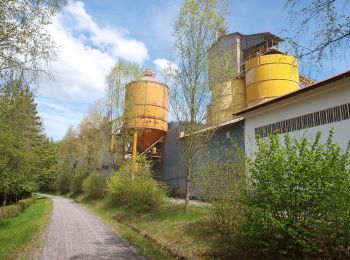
26, 47
84, 150
120, 74
195, 31
27, 155
68, 151
76, 185
94, 185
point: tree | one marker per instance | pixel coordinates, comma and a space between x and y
27, 156
68, 152
223, 183
26, 47
120, 74
195, 31
325, 24
85, 149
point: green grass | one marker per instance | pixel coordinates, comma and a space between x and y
184, 234
20, 235
190, 235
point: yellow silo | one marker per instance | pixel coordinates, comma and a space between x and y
225, 82
146, 110
270, 76
227, 98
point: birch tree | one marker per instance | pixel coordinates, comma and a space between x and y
26, 47
194, 32
120, 74
318, 30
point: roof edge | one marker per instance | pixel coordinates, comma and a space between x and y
295, 93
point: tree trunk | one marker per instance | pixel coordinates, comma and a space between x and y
187, 197
188, 187
5, 199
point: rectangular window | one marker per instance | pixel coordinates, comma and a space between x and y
327, 116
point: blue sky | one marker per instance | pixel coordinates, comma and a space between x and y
93, 34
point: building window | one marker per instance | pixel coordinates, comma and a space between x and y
322, 117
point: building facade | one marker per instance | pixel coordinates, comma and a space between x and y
318, 108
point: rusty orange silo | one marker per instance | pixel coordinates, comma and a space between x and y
146, 110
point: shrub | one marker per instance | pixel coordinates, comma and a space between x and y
222, 182
25, 203
15, 210
77, 181
141, 192
63, 183
299, 199
10, 211
94, 185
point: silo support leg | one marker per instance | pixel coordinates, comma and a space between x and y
134, 152
134, 147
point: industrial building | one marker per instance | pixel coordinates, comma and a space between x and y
256, 90
319, 107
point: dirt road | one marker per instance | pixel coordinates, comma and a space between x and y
75, 233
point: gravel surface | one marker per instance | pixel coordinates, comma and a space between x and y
192, 202
75, 233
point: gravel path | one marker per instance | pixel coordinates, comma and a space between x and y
74, 233
192, 202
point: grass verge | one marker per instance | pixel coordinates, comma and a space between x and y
188, 236
20, 236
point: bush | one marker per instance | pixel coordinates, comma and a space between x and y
222, 182
15, 210
94, 185
141, 192
299, 199
77, 181
10, 211
63, 183
25, 203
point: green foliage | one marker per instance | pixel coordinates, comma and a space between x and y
85, 148
120, 74
194, 32
26, 46
16, 209
63, 183
25, 203
141, 192
94, 185
17, 232
222, 182
299, 198
27, 156
77, 181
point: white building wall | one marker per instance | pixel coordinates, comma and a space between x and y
327, 96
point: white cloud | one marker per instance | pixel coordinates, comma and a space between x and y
165, 65
86, 53
79, 69
113, 40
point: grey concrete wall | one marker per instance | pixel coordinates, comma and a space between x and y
174, 166
172, 175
